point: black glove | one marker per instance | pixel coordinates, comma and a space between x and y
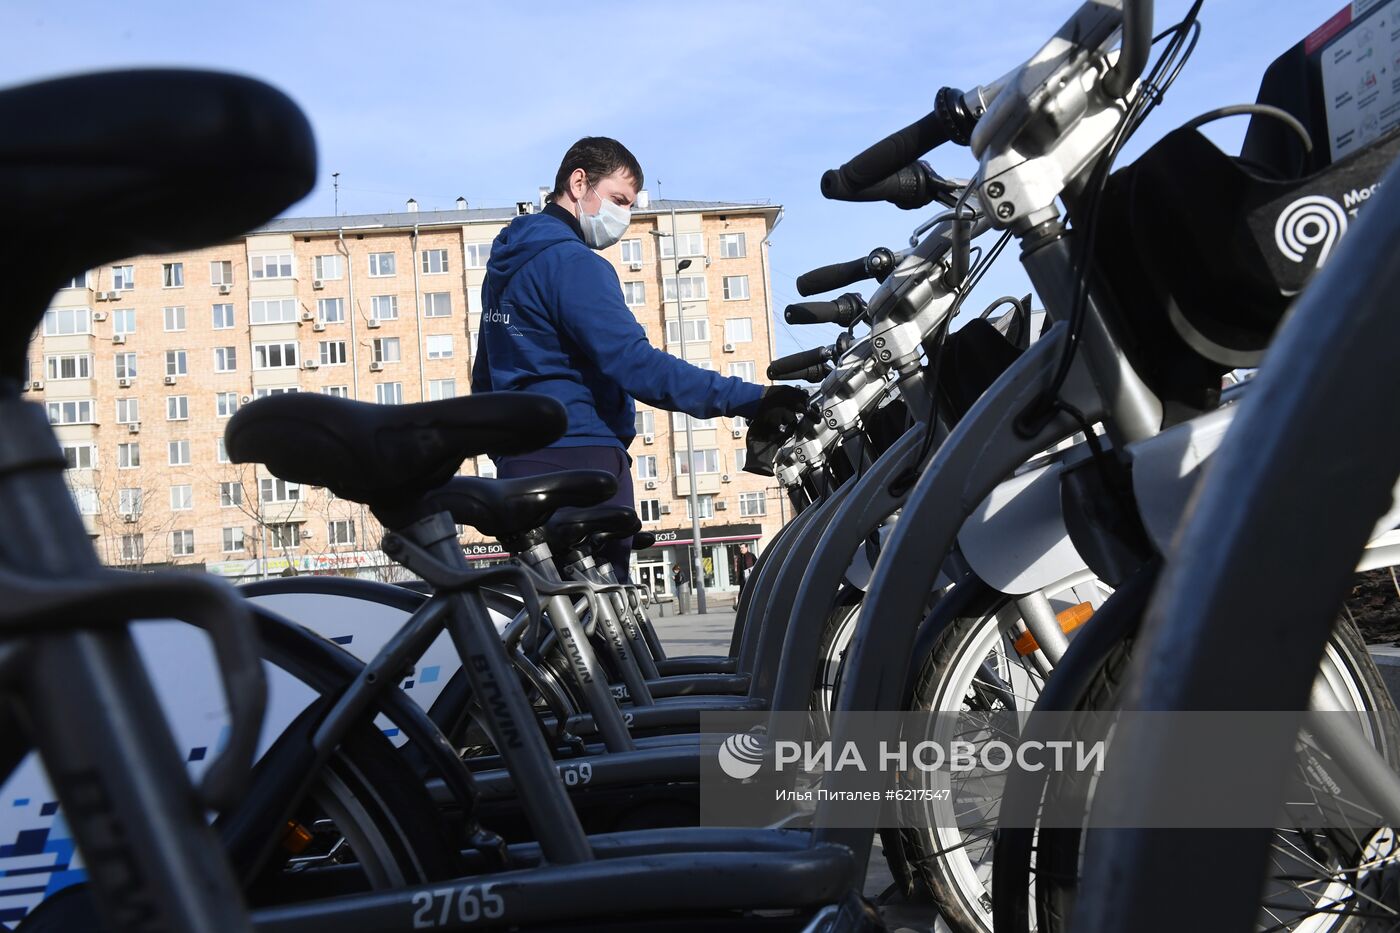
772, 424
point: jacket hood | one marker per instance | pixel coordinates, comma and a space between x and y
524, 239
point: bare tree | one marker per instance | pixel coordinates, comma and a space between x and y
127, 522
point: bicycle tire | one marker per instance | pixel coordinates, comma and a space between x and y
1058, 851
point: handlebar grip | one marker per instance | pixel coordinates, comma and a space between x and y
805, 359
842, 311
815, 374
836, 275
894, 152
877, 265
913, 186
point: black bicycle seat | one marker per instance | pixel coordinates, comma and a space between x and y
569, 529
386, 455
161, 160
509, 508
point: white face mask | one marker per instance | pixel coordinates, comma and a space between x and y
606, 227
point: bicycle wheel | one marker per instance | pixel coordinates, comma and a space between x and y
974, 667
831, 655
1319, 881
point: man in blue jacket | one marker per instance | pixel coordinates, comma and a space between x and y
553, 320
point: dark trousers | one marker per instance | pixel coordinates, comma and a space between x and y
609, 459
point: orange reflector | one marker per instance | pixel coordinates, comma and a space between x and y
297, 839
1069, 619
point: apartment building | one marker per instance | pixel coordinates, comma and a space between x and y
141, 363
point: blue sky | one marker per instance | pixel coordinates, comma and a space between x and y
719, 100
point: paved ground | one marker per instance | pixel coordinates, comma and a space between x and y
710, 634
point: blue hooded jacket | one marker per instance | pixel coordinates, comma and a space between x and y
553, 321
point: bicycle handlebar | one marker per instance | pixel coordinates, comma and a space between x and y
950, 120
798, 362
913, 186
878, 265
842, 311
1137, 43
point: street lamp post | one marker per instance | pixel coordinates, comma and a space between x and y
698, 569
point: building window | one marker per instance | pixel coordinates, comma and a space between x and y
77, 281
736, 288
182, 543
337, 391
284, 534
705, 461
225, 404
646, 467
177, 408
271, 489
327, 267
646, 422
76, 411
384, 307
172, 275
631, 250
389, 393
181, 498
85, 498
473, 299
79, 456
133, 547
221, 272
485, 467
330, 310
123, 278
731, 246
233, 540
230, 495
129, 501
179, 453
274, 355
752, 503
692, 244
279, 311
381, 265
176, 363
741, 457
437, 304
277, 390
697, 330
128, 411
478, 254
678, 420
124, 321
649, 510
441, 388
221, 451
225, 359
744, 371
692, 288
68, 366
125, 365
332, 352
634, 293
434, 261
706, 504
128, 456
738, 330
271, 266
67, 321
223, 316
385, 349
340, 532
439, 346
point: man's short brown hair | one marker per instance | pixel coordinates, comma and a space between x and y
599, 157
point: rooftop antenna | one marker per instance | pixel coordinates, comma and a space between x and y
335, 177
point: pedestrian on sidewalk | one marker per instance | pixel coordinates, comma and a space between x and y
680, 585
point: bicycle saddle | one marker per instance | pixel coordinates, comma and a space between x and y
510, 508
162, 160
569, 530
386, 456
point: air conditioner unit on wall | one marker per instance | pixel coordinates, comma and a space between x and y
376, 366
170, 380
648, 438
372, 324
635, 266
724, 478
721, 506
129, 517
133, 427
651, 484
36, 385
310, 364
665, 510
225, 289
99, 316
737, 432
124, 383
307, 316
107, 296
318, 326
729, 348
317, 284
119, 338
